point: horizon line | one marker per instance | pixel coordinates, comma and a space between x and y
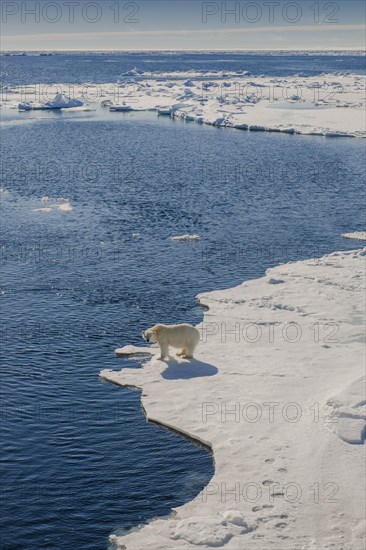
348, 49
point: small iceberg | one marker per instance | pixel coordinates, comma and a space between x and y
65, 207
186, 238
60, 101
359, 235
60, 203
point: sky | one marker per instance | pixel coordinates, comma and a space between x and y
181, 25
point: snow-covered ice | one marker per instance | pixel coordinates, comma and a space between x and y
330, 105
350, 412
276, 390
60, 101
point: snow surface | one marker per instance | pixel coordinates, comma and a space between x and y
330, 105
282, 413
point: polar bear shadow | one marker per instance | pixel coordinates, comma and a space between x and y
184, 370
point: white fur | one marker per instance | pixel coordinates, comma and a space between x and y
185, 337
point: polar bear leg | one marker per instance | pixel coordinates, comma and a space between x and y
164, 349
182, 352
189, 349
187, 352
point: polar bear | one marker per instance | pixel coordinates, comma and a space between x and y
183, 336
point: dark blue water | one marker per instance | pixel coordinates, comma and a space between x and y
79, 459
109, 67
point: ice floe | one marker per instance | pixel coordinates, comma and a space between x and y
358, 235
288, 460
328, 105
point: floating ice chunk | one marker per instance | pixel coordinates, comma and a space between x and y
132, 350
186, 238
60, 101
59, 203
65, 207
359, 235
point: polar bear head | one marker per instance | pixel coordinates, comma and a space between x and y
149, 335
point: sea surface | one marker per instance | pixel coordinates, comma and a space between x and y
109, 67
79, 459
